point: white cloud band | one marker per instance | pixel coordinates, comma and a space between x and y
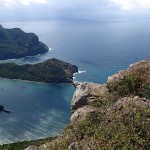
131, 4
21, 2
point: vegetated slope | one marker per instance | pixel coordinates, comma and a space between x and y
14, 43
115, 115
49, 71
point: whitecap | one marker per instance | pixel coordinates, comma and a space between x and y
50, 49
81, 71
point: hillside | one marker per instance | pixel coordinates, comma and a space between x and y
110, 116
15, 43
113, 116
49, 71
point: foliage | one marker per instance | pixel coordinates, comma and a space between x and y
133, 83
15, 43
101, 131
25, 144
50, 71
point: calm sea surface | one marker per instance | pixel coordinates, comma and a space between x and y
98, 48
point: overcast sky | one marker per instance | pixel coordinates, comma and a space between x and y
80, 9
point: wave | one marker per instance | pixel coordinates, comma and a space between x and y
50, 49
83, 71
77, 73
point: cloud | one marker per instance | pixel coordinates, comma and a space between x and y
95, 9
130, 4
11, 3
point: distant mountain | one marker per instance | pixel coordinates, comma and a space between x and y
15, 43
49, 71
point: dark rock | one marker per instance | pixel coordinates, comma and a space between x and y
1, 108
15, 43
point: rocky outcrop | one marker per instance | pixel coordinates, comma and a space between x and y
87, 92
135, 67
15, 43
32, 147
2, 109
123, 106
103, 119
82, 112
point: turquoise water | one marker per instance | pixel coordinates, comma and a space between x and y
98, 48
39, 110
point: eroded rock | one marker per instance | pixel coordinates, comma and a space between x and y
87, 92
81, 113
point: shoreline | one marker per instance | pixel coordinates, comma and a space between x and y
72, 84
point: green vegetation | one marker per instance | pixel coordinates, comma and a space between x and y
25, 144
133, 83
14, 43
112, 130
121, 120
50, 71
120, 123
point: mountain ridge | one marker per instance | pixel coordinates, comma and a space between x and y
15, 43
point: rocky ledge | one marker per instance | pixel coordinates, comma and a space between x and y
133, 81
114, 115
15, 43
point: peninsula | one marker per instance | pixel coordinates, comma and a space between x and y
114, 115
15, 43
49, 71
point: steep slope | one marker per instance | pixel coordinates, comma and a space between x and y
14, 43
110, 116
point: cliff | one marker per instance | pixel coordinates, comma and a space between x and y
15, 43
49, 71
114, 115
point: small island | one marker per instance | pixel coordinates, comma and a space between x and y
49, 71
2, 109
15, 43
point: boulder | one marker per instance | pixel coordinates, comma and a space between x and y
87, 92
81, 113
32, 147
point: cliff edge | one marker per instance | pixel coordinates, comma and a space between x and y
114, 115
15, 43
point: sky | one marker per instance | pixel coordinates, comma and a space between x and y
78, 9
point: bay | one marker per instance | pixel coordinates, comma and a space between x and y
39, 110
98, 48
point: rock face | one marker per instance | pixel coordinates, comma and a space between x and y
82, 112
14, 43
32, 147
126, 102
87, 92
135, 67
103, 119
1, 107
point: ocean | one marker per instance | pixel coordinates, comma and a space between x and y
98, 48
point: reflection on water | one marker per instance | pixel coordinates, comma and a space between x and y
39, 110
98, 48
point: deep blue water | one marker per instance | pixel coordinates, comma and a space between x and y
98, 48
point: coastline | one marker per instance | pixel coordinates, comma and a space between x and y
72, 84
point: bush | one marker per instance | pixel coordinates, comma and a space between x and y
132, 84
